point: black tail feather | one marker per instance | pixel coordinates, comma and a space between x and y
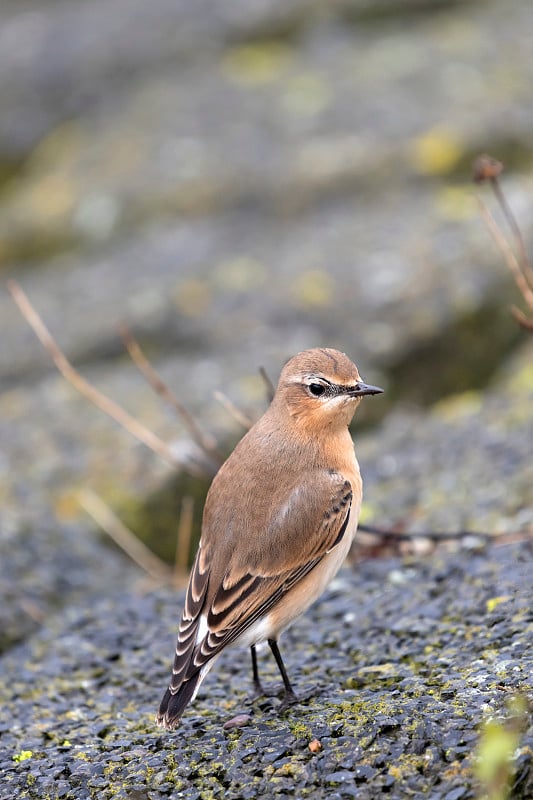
173, 705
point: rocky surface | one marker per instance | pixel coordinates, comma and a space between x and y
409, 656
241, 182
407, 659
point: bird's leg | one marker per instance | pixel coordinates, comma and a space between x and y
258, 686
290, 695
259, 689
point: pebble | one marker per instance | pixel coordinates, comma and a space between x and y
239, 721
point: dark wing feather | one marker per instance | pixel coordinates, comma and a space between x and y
190, 619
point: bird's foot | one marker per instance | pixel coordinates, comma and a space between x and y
290, 698
260, 691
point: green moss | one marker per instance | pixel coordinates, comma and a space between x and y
24, 755
292, 769
360, 711
81, 756
407, 764
111, 767
299, 729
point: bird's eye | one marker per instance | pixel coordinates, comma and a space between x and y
316, 389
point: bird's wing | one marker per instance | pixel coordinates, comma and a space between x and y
190, 619
308, 525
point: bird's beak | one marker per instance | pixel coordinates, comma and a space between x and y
361, 389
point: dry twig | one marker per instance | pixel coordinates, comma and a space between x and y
507, 252
205, 441
127, 541
233, 410
403, 536
184, 536
489, 169
76, 380
270, 388
390, 536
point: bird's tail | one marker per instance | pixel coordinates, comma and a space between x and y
174, 704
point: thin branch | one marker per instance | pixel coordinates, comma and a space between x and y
184, 536
96, 397
515, 229
507, 253
438, 536
270, 388
501, 539
233, 410
124, 538
205, 441
388, 533
522, 320
489, 169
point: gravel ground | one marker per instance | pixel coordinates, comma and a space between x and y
41, 573
408, 658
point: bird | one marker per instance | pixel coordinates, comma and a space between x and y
278, 521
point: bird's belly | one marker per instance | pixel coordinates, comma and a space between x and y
300, 597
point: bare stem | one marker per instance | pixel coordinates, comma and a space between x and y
391, 534
509, 256
522, 320
487, 168
233, 410
523, 259
100, 400
270, 388
205, 441
124, 538
184, 536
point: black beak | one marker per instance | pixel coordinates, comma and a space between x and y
361, 389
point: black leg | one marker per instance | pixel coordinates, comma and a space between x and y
258, 688
290, 695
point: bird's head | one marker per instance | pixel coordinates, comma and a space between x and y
321, 388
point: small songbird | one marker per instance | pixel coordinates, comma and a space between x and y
278, 522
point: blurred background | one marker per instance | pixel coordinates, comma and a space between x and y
240, 181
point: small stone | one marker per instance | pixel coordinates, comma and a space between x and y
364, 772
239, 721
340, 777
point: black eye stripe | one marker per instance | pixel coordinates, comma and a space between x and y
317, 389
